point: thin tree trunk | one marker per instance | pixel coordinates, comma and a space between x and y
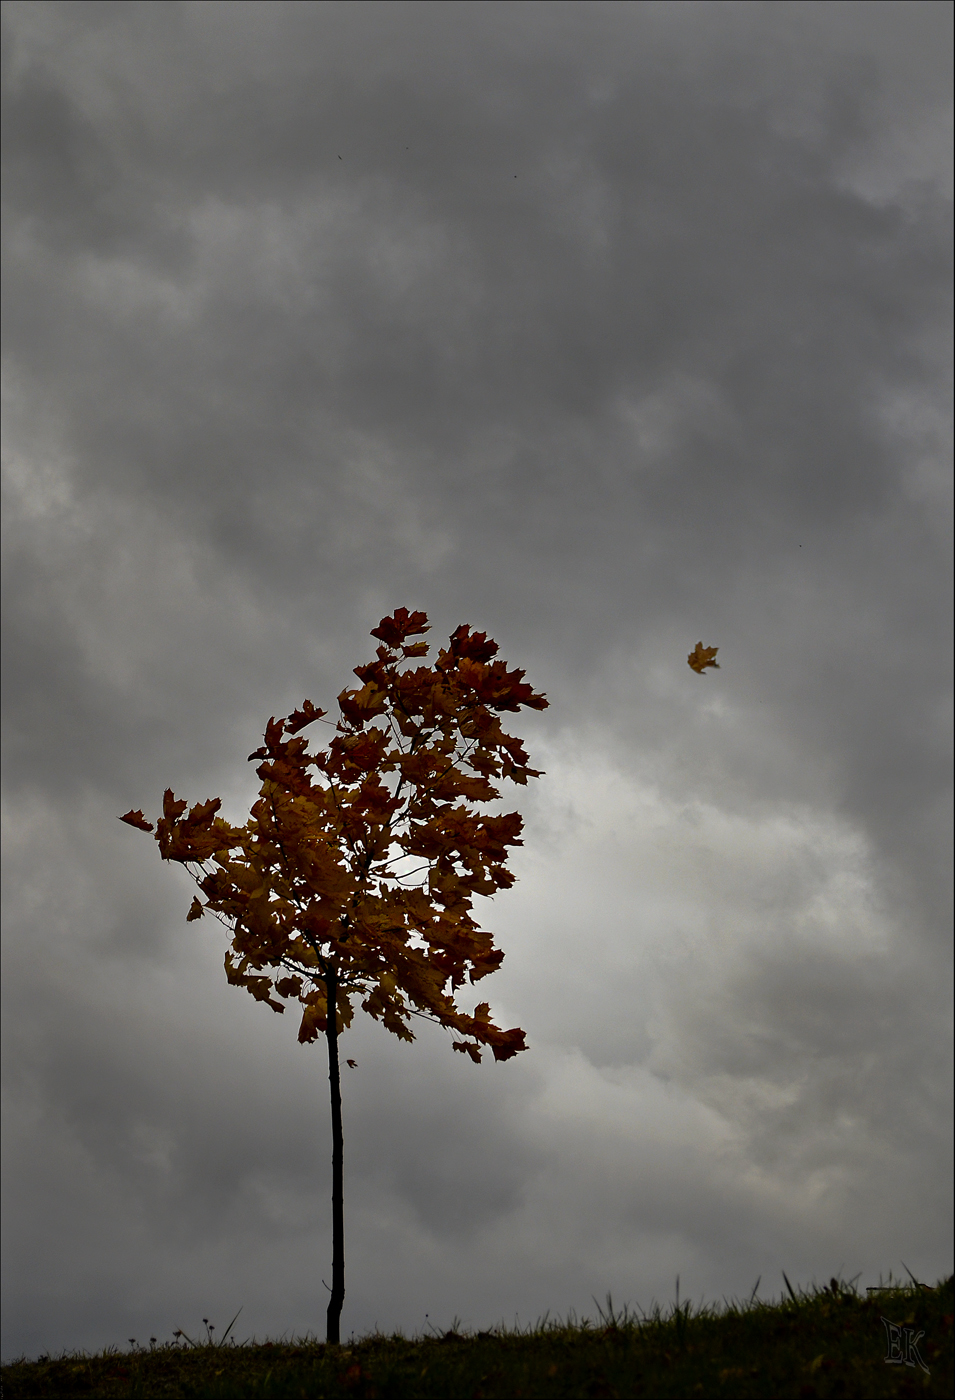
338, 1207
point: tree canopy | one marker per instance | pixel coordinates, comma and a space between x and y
361, 860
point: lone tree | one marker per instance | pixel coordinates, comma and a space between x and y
360, 885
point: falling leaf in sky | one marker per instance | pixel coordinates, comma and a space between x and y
702, 657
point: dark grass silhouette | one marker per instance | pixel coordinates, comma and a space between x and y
829, 1341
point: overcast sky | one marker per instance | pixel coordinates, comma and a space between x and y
606, 329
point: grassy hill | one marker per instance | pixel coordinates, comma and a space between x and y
830, 1342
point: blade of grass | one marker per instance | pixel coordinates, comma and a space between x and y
229, 1328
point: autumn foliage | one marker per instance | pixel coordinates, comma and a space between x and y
358, 864
701, 657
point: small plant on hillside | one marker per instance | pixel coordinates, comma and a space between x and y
316, 888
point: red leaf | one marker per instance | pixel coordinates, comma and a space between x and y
474, 645
393, 630
512, 1042
306, 715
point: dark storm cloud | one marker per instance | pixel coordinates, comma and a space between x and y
604, 328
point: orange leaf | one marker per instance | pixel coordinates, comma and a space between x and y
313, 1023
359, 705
172, 807
701, 657
138, 820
